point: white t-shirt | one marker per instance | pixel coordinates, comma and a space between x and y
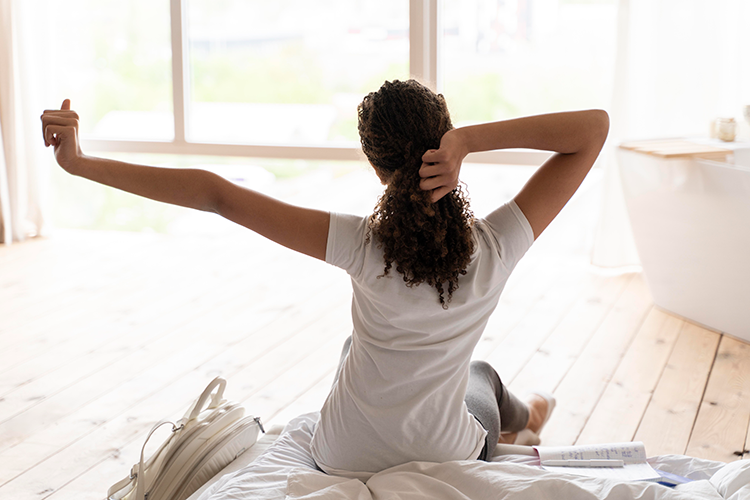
400, 393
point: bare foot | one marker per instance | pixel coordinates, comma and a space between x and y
537, 411
538, 407
507, 437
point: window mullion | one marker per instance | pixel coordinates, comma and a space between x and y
424, 42
180, 79
436, 43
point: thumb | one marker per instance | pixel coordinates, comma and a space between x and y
65, 104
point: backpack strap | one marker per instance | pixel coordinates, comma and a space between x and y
137, 472
216, 400
140, 493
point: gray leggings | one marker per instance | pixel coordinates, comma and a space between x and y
491, 403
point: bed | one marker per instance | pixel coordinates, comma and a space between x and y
280, 467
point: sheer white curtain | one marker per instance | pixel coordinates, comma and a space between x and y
680, 64
22, 98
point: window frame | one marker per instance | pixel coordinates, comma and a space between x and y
424, 65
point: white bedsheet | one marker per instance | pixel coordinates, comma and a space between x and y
286, 471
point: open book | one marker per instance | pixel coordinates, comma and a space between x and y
629, 460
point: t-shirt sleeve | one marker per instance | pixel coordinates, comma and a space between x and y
345, 247
512, 232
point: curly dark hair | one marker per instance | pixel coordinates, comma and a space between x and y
429, 242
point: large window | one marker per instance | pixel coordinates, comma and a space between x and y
114, 59
282, 79
289, 72
209, 83
506, 58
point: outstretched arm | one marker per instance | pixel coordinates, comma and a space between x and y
576, 138
301, 229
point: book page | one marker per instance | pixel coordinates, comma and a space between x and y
632, 454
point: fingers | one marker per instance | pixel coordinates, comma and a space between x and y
68, 121
437, 169
46, 144
64, 118
56, 123
54, 133
440, 185
431, 170
61, 112
431, 183
435, 175
434, 183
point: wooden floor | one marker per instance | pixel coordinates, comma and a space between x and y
103, 334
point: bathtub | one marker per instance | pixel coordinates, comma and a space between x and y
691, 223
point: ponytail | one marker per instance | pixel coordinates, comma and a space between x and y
427, 242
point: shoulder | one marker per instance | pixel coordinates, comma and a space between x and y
507, 231
343, 227
347, 237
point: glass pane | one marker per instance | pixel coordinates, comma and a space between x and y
290, 71
505, 58
115, 65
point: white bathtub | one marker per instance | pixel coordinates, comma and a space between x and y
691, 222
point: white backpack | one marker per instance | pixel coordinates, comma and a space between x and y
202, 443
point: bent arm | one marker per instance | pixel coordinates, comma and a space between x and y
576, 138
564, 133
297, 228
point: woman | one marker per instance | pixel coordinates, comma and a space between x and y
425, 274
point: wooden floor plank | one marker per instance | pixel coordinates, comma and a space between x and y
110, 439
720, 430
156, 353
32, 441
111, 296
519, 345
515, 303
99, 350
669, 417
553, 359
249, 346
265, 401
616, 416
61, 276
310, 400
582, 386
139, 303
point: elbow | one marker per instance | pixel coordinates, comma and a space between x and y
591, 130
213, 184
600, 126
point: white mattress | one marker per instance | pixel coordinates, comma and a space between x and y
280, 467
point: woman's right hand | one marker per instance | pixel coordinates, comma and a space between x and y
441, 167
60, 129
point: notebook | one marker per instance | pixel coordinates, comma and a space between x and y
629, 458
